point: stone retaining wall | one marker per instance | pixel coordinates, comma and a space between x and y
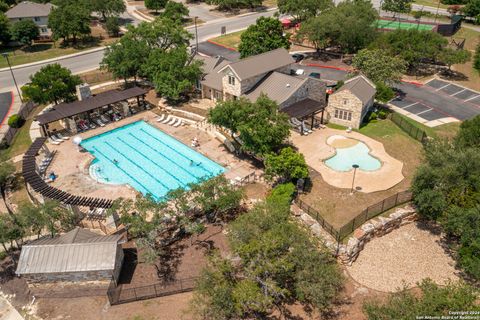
377, 227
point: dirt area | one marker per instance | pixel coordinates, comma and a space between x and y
330, 60
338, 206
404, 256
182, 260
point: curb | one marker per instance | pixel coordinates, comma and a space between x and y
326, 67
222, 45
418, 84
54, 59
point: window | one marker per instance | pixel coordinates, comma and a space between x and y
44, 30
345, 102
343, 114
231, 80
36, 19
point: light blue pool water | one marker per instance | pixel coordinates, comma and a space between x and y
147, 159
357, 154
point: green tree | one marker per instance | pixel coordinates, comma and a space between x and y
112, 25
451, 56
412, 45
175, 11
155, 4
3, 6
379, 66
52, 83
108, 8
163, 33
125, 58
472, 9
397, 6
230, 114
69, 20
172, 72
320, 31
384, 92
476, 59
278, 263
288, 164
235, 4
469, 134
24, 31
434, 300
263, 36
4, 29
7, 169
302, 10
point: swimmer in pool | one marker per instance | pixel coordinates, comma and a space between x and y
191, 162
115, 161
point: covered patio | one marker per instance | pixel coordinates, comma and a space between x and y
93, 112
304, 112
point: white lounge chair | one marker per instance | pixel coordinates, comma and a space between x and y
53, 141
104, 119
179, 123
161, 118
99, 122
172, 121
169, 117
61, 136
55, 138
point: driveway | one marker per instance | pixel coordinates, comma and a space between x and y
213, 50
6, 102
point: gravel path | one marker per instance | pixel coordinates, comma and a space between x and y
406, 255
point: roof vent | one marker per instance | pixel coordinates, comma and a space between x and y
288, 85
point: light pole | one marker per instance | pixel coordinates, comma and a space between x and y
196, 35
5, 55
436, 13
355, 167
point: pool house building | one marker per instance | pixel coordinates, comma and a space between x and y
92, 111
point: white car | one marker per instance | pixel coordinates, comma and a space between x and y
299, 72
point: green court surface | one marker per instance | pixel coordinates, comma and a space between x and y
388, 24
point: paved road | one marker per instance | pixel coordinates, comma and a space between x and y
91, 61
5, 104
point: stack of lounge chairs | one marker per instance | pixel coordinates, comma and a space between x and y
45, 163
57, 138
170, 120
300, 126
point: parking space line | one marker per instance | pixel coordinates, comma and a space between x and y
424, 111
408, 106
442, 87
458, 92
474, 97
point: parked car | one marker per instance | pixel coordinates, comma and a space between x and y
299, 72
315, 75
298, 57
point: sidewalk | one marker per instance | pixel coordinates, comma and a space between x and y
7, 311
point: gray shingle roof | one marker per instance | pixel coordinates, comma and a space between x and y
361, 87
261, 63
210, 68
277, 86
75, 251
27, 9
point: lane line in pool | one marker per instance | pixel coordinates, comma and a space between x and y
113, 148
163, 143
133, 178
163, 156
156, 165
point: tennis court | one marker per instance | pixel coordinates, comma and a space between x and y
392, 25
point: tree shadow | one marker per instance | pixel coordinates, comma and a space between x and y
130, 262
169, 261
452, 75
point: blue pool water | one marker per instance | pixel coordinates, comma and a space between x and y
147, 159
357, 154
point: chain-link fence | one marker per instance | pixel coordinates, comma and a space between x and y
413, 131
24, 112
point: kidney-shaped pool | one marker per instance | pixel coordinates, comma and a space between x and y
349, 152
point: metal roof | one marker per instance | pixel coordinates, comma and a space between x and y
64, 110
75, 251
210, 68
303, 108
277, 86
261, 63
361, 87
27, 9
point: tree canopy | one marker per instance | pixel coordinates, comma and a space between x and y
379, 66
108, 8
262, 128
288, 164
52, 83
434, 301
4, 29
277, 264
301, 10
24, 31
397, 6
175, 11
349, 25
446, 190
451, 56
235, 4
69, 20
155, 4
265, 35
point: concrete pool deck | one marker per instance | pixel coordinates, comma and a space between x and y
316, 149
71, 166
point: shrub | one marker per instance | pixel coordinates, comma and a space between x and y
284, 190
373, 117
476, 59
3, 255
339, 84
113, 26
382, 114
15, 121
384, 93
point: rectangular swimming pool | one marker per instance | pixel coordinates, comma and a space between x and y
147, 159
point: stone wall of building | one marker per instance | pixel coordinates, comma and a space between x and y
377, 227
236, 89
312, 88
81, 276
345, 100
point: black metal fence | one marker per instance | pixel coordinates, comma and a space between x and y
118, 295
373, 211
412, 130
24, 112
367, 214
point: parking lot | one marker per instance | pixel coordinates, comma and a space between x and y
419, 109
456, 91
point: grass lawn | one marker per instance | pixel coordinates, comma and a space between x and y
231, 40
269, 3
